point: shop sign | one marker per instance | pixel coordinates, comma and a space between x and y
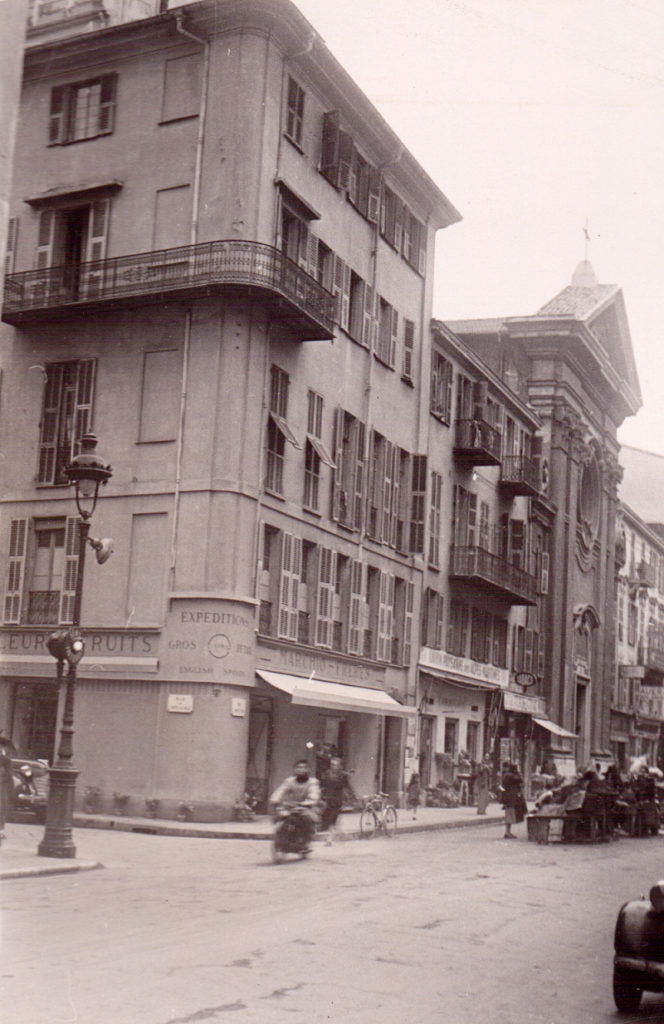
209, 640
464, 668
525, 703
631, 671
24, 652
323, 666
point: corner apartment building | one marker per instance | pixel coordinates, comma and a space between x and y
574, 359
637, 701
221, 263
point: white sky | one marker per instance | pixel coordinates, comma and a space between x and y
532, 116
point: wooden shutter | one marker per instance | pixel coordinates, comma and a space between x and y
312, 256
391, 470
517, 542
472, 520
337, 478
341, 289
327, 566
368, 319
50, 422
291, 565
398, 223
385, 614
393, 338
44, 251
408, 620
355, 631
373, 206
544, 572
528, 654
345, 159
96, 246
359, 474
18, 539
68, 592
83, 398
107, 104
419, 483
57, 116
10, 248
329, 161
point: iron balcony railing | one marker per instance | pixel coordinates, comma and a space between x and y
234, 265
520, 474
478, 442
493, 572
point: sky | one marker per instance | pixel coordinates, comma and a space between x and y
542, 122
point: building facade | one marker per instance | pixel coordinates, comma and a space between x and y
230, 284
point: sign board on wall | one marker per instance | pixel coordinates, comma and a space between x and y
209, 641
182, 703
464, 668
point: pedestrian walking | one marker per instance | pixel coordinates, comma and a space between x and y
413, 792
482, 781
512, 797
6, 750
333, 786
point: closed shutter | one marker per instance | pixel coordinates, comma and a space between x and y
68, 593
10, 248
291, 564
390, 472
472, 520
84, 395
44, 251
312, 258
385, 614
107, 104
48, 440
345, 159
355, 624
329, 161
374, 195
18, 538
393, 338
56, 122
337, 477
96, 246
517, 542
359, 474
341, 289
327, 565
544, 572
408, 620
419, 483
368, 320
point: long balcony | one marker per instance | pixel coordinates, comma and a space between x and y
520, 475
247, 269
493, 574
477, 443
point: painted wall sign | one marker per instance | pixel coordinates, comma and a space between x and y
525, 703
209, 641
284, 659
238, 707
181, 703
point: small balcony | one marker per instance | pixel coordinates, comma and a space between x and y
493, 574
520, 475
477, 443
249, 270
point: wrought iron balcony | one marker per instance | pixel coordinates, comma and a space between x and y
520, 475
247, 269
493, 574
477, 443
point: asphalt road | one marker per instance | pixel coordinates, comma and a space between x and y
460, 927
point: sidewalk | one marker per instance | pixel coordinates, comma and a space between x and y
19, 858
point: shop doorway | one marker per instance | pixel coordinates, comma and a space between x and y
392, 774
34, 720
259, 750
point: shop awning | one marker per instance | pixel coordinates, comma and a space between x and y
557, 730
319, 693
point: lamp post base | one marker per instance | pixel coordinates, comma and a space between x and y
58, 839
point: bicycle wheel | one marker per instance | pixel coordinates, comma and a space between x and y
368, 823
390, 820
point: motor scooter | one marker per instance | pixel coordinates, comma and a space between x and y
638, 963
293, 833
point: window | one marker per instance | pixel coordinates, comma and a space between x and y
383, 490
327, 577
336, 151
457, 628
10, 247
73, 238
451, 736
388, 326
43, 562
414, 243
432, 619
499, 657
418, 492
291, 566
315, 452
348, 486
278, 431
391, 218
357, 615
82, 110
435, 501
356, 307
441, 387
464, 517
294, 111
182, 87
402, 644
364, 187
66, 416
408, 350
480, 635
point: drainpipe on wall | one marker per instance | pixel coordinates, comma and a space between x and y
188, 315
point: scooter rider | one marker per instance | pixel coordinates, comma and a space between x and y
302, 790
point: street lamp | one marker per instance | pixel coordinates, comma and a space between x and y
87, 471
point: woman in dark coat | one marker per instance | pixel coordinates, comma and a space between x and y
512, 784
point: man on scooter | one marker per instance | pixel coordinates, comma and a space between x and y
302, 790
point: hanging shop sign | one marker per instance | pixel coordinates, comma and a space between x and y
525, 704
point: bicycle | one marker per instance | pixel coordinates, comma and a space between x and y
377, 815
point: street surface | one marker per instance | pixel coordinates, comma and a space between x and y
460, 927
